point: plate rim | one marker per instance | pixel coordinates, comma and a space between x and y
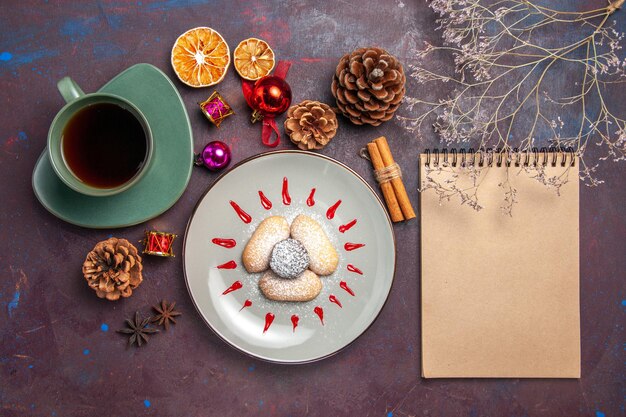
311, 154
44, 154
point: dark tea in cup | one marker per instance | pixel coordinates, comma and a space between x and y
104, 145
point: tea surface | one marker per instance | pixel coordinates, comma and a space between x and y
104, 145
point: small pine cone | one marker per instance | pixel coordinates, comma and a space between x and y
369, 85
311, 124
113, 269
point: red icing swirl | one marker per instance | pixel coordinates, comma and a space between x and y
334, 299
354, 269
352, 246
265, 202
345, 227
286, 196
320, 313
311, 200
245, 217
226, 243
228, 265
330, 213
344, 286
237, 285
269, 319
246, 304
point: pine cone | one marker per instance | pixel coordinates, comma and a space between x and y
113, 269
369, 86
311, 124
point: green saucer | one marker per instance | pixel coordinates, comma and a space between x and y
152, 91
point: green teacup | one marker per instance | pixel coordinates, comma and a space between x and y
99, 144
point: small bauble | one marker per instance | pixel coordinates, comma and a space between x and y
215, 156
270, 96
369, 86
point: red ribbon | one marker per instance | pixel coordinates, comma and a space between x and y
269, 124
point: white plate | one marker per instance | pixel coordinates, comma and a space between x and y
214, 217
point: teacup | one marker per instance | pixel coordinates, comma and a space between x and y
99, 144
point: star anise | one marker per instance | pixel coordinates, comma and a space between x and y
138, 330
165, 314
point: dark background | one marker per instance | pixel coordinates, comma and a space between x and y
56, 359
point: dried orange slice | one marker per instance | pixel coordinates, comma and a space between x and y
200, 57
253, 59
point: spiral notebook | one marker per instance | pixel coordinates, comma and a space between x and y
499, 286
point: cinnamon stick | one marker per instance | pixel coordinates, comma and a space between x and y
387, 189
398, 185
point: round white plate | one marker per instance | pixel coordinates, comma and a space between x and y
243, 328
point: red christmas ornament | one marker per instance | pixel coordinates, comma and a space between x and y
270, 96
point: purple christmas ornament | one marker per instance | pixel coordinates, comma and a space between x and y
214, 156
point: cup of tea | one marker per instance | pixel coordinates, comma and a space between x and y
99, 144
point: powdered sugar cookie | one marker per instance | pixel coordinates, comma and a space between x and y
305, 287
256, 255
323, 257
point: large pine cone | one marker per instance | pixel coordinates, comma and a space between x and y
311, 124
369, 85
113, 269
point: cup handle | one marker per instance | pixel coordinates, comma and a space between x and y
69, 89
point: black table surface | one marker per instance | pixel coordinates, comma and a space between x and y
60, 355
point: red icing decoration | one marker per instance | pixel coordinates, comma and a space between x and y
246, 303
294, 321
334, 299
237, 285
245, 217
320, 313
345, 287
228, 265
311, 200
226, 243
344, 228
354, 269
330, 213
352, 246
265, 202
269, 318
286, 196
